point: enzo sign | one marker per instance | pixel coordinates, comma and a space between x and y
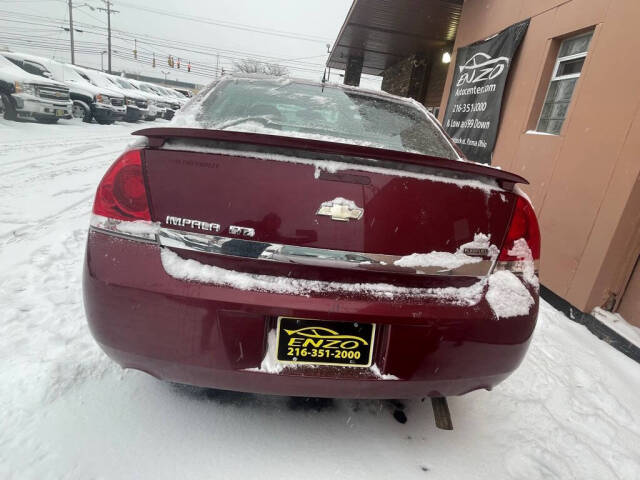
473, 110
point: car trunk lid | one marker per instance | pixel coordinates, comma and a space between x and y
380, 210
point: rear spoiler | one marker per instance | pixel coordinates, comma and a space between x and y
157, 137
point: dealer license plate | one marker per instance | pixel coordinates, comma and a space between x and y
59, 113
317, 342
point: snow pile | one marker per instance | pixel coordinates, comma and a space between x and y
192, 270
507, 296
382, 376
270, 363
340, 201
445, 260
525, 262
448, 260
139, 228
616, 322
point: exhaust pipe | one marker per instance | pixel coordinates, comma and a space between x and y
441, 413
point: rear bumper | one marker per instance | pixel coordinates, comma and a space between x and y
210, 335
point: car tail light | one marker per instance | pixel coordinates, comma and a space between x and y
524, 225
122, 194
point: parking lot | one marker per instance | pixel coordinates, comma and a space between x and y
571, 411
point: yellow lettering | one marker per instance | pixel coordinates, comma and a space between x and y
295, 342
349, 345
311, 341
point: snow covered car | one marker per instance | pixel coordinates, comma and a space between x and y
288, 237
159, 99
153, 110
136, 105
184, 92
24, 95
172, 100
89, 102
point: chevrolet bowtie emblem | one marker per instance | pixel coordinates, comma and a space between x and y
340, 209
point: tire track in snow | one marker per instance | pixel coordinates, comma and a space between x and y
54, 165
26, 146
21, 233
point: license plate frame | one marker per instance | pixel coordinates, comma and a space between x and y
324, 342
59, 112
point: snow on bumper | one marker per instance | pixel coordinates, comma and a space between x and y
29, 105
217, 336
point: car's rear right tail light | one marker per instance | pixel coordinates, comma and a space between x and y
524, 226
121, 194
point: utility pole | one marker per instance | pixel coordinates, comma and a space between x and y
73, 56
217, 64
109, 12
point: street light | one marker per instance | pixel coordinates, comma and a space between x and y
165, 76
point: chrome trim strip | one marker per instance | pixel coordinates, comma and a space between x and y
291, 254
275, 252
139, 231
517, 266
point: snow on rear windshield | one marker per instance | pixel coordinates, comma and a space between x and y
333, 114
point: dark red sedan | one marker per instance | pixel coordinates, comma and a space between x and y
294, 238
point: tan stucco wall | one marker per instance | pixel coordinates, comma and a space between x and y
582, 180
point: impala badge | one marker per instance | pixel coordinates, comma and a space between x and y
340, 209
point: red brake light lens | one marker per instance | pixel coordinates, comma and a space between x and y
121, 193
524, 224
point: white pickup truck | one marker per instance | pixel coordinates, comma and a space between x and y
25, 95
89, 102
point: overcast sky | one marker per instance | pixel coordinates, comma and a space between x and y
298, 33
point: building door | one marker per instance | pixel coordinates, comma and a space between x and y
629, 306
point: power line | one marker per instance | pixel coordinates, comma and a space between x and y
238, 26
188, 47
157, 45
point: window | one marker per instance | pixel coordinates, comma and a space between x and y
307, 110
571, 57
35, 69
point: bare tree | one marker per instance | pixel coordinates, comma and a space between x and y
250, 65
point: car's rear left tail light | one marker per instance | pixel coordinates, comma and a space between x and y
122, 194
524, 226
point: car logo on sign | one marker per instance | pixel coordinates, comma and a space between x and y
340, 209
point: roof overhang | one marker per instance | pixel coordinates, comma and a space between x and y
383, 32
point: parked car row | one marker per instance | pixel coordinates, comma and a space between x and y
47, 90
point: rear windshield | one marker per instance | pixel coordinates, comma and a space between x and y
331, 114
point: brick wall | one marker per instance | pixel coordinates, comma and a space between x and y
397, 78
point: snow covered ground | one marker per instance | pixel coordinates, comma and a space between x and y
571, 411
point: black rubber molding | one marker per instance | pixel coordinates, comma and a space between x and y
594, 325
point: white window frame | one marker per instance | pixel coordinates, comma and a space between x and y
555, 76
575, 56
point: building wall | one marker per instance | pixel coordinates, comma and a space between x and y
408, 77
584, 182
397, 78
